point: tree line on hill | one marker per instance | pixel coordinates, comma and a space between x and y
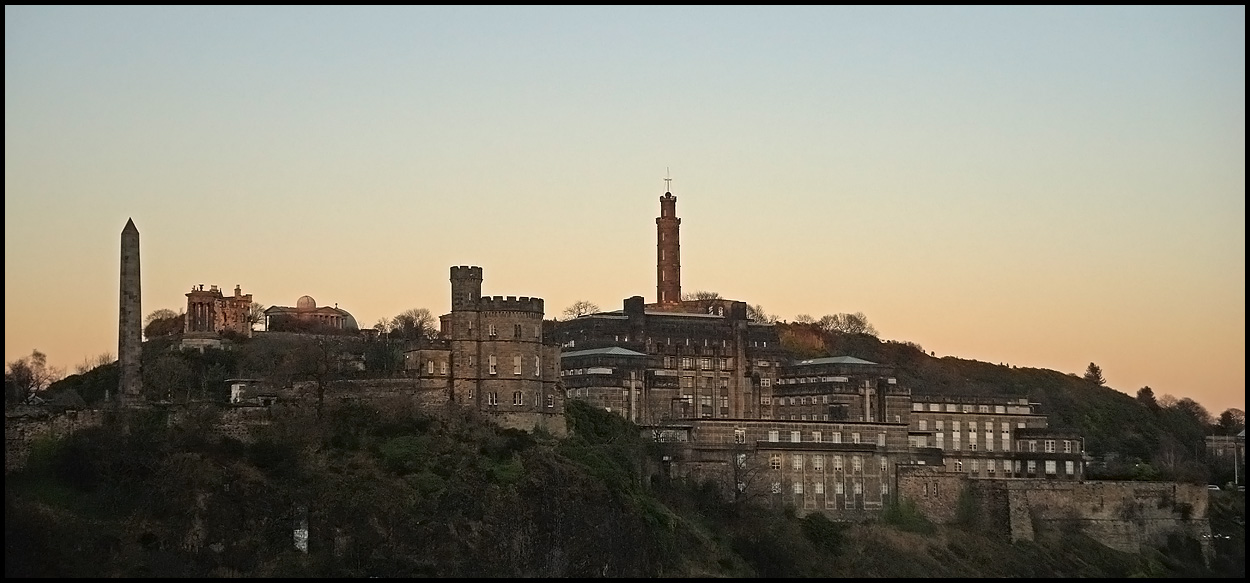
1146, 437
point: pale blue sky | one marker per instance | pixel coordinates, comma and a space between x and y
1040, 186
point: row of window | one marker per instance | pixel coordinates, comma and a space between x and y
688, 382
824, 400
493, 365
819, 488
517, 331
938, 425
957, 444
518, 399
442, 367
969, 408
817, 462
704, 363
817, 436
1030, 466
707, 343
1029, 445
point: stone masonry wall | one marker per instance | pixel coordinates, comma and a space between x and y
1126, 516
21, 431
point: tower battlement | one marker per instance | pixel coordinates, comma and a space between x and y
466, 272
466, 287
511, 304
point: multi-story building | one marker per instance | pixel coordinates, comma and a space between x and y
995, 438
491, 355
682, 359
823, 434
839, 388
710, 362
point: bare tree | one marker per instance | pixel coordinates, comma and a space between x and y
383, 326
414, 323
700, 295
28, 375
163, 322
255, 315
804, 319
856, 323
89, 363
161, 314
757, 313
580, 308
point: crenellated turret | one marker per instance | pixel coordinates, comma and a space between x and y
466, 287
511, 304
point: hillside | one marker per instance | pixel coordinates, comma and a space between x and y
398, 492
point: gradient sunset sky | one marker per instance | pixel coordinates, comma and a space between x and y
1043, 187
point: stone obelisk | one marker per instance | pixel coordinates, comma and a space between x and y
130, 320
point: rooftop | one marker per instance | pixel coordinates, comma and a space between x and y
835, 360
609, 351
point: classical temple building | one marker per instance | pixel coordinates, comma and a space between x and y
306, 316
211, 313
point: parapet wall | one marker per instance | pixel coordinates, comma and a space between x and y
23, 429
510, 304
1126, 516
466, 272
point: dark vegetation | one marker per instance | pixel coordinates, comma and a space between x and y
401, 493
396, 492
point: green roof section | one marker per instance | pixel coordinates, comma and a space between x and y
836, 360
609, 351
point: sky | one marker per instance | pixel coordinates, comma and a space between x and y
1041, 187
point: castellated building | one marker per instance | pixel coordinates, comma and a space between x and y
491, 355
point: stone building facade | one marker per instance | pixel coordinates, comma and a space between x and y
491, 355
843, 469
686, 360
839, 388
996, 438
209, 312
1123, 515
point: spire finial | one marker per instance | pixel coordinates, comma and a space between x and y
668, 182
